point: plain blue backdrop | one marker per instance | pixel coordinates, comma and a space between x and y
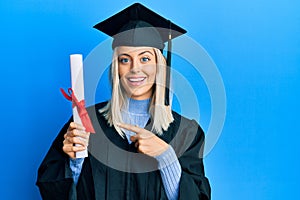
255, 44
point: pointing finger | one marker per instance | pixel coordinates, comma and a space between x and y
130, 127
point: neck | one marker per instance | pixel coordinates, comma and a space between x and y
138, 106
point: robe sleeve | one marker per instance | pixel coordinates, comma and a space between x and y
55, 179
193, 183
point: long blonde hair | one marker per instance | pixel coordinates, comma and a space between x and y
160, 113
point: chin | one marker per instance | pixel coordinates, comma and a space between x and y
139, 95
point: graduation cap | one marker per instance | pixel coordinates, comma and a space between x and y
137, 25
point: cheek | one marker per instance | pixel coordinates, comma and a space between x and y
150, 71
122, 71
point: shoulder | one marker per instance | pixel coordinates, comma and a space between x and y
94, 110
95, 115
184, 122
184, 133
97, 106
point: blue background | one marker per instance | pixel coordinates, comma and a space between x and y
255, 44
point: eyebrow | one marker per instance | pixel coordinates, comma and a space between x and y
125, 54
146, 52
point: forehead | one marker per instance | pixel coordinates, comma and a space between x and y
133, 50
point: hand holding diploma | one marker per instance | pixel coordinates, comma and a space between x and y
76, 140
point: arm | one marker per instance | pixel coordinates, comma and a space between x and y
170, 171
54, 175
193, 184
75, 135
188, 172
55, 178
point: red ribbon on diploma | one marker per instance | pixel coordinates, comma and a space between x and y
80, 105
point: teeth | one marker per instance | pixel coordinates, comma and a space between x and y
136, 79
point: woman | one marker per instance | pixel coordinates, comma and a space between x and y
159, 152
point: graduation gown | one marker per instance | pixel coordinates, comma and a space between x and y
114, 170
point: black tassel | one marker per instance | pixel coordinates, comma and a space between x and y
168, 70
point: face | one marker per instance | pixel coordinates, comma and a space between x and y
137, 71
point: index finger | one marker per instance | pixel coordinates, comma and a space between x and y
130, 127
74, 125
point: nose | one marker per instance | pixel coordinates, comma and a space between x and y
135, 66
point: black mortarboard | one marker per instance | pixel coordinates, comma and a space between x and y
137, 25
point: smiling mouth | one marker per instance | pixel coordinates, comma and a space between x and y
136, 81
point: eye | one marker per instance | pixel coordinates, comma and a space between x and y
124, 60
145, 59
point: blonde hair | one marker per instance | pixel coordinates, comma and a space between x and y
160, 113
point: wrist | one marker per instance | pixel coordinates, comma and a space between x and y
166, 158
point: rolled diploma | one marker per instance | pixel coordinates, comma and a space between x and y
76, 64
